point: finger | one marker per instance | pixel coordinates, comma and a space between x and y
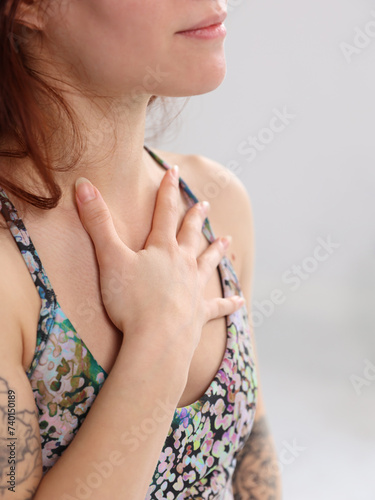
210, 258
189, 235
165, 217
219, 307
96, 219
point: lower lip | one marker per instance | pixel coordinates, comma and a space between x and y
214, 31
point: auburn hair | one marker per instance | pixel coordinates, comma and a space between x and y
26, 124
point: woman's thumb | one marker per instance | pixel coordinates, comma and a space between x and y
95, 216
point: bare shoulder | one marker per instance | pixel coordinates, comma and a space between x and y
16, 289
231, 210
10, 325
15, 388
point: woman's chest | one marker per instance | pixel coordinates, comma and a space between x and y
71, 266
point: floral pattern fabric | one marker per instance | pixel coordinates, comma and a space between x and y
199, 454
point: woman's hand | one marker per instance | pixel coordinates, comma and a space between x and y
163, 283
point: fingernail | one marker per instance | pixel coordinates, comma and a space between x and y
205, 205
226, 241
174, 171
85, 190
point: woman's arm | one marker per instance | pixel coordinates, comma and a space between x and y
20, 454
257, 475
109, 458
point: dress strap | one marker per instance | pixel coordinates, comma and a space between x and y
37, 272
206, 228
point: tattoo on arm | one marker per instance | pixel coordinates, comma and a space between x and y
26, 456
256, 476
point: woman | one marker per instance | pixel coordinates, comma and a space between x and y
165, 402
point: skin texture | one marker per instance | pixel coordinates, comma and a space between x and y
124, 34
108, 54
254, 477
107, 59
257, 476
27, 460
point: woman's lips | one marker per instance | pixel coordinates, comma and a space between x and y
213, 31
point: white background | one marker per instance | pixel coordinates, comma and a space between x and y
314, 180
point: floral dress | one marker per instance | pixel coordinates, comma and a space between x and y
199, 453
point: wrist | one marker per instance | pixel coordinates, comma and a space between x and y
153, 363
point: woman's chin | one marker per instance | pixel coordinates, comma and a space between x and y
197, 83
